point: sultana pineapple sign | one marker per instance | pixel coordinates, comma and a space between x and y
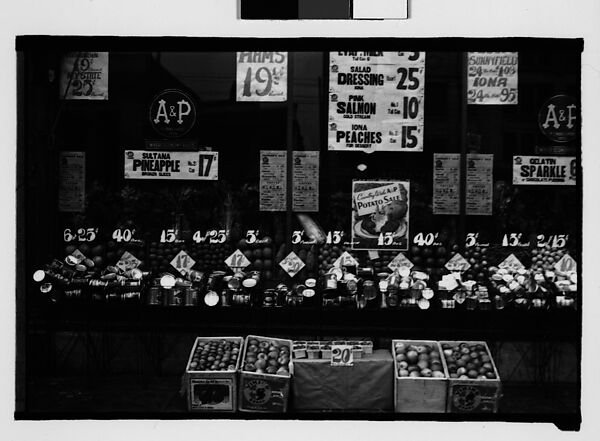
380, 214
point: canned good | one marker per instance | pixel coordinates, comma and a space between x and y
299, 289
369, 290
211, 298
154, 296
310, 283
365, 273
175, 296
195, 276
133, 273
309, 292
330, 281
499, 302
337, 272
190, 296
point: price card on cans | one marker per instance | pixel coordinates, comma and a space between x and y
183, 262
345, 259
457, 263
128, 261
292, 264
566, 264
341, 355
400, 261
511, 263
78, 255
237, 260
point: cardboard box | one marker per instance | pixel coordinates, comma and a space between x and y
212, 391
264, 392
474, 395
420, 394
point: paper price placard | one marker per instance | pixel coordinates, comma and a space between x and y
457, 263
341, 355
237, 260
261, 76
511, 263
493, 78
128, 261
182, 262
400, 261
292, 264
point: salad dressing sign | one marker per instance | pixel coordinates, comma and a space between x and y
261, 76
380, 214
544, 170
376, 101
493, 78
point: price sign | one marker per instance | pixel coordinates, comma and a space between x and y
400, 261
345, 259
511, 263
426, 239
566, 264
471, 240
252, 236
262, 76
208, 166
128, 261
457, 263
80, 234
292, 264
554, 240
237, 260
168, 236
334, 237
78, 255
341, 355
513, 240
123, 235
182, 262
297, 236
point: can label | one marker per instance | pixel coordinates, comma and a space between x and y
154, 297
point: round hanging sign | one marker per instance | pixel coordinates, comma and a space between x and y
558, 118
172, 113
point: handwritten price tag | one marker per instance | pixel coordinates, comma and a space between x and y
457, 263
341, 355
345, 259
292, 264
237, 260
183, 262
128, 261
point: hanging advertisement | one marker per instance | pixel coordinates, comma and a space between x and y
142, 164
480, 184
84, 76
558, 118
493, 78
376, 101
305, 195
544, 170
273, 180
172, 113
446, 183
261, 76
380, 215
71, 177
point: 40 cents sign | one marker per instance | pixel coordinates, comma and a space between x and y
262, 76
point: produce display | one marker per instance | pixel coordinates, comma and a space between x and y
418, 360
267, 357
467, 360
215, 355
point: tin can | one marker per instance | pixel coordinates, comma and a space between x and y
269, 298
299, 289
175, 296
330, 282
131, 296
133, 273
499, 302
195, 276
191, 296
365, 273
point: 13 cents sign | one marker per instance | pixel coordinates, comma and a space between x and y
172, 113
558, 118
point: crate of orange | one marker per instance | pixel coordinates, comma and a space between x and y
421, 376
474, 385
210, 377
266, 374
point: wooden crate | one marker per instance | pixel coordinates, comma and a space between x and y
212, 391
474, 395
420, 394
264, 392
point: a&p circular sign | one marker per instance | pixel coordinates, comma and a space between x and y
172, 113
558, 118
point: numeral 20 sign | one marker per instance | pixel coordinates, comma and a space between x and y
341, 355
262, 76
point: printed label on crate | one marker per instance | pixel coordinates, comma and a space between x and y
84, 76
273, 180
511, 263
480, 176
400, 261
262, 76
292, 264
566, 264
473, 398
493, 78
264, 394
211, 394
544, 170
341, 355
458, 263
182, 262
237, 260
71, 178
305, 194
446, 183
141, 164
376, 101
380, 214
345, 259
128, 261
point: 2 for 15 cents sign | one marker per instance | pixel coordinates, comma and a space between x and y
262, 76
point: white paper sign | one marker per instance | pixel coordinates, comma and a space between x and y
493, 78
341, 355
376, 101
84, 76
446, 183
511, 263
182, 262
237, 260
345, 259
262, 76
142, 164
400, 261
566, 264
544, 170
457, 263
128, 261
480, 176
71, 173
292, 264
273, 180
305, 194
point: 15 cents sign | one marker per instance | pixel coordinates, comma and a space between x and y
172, 113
